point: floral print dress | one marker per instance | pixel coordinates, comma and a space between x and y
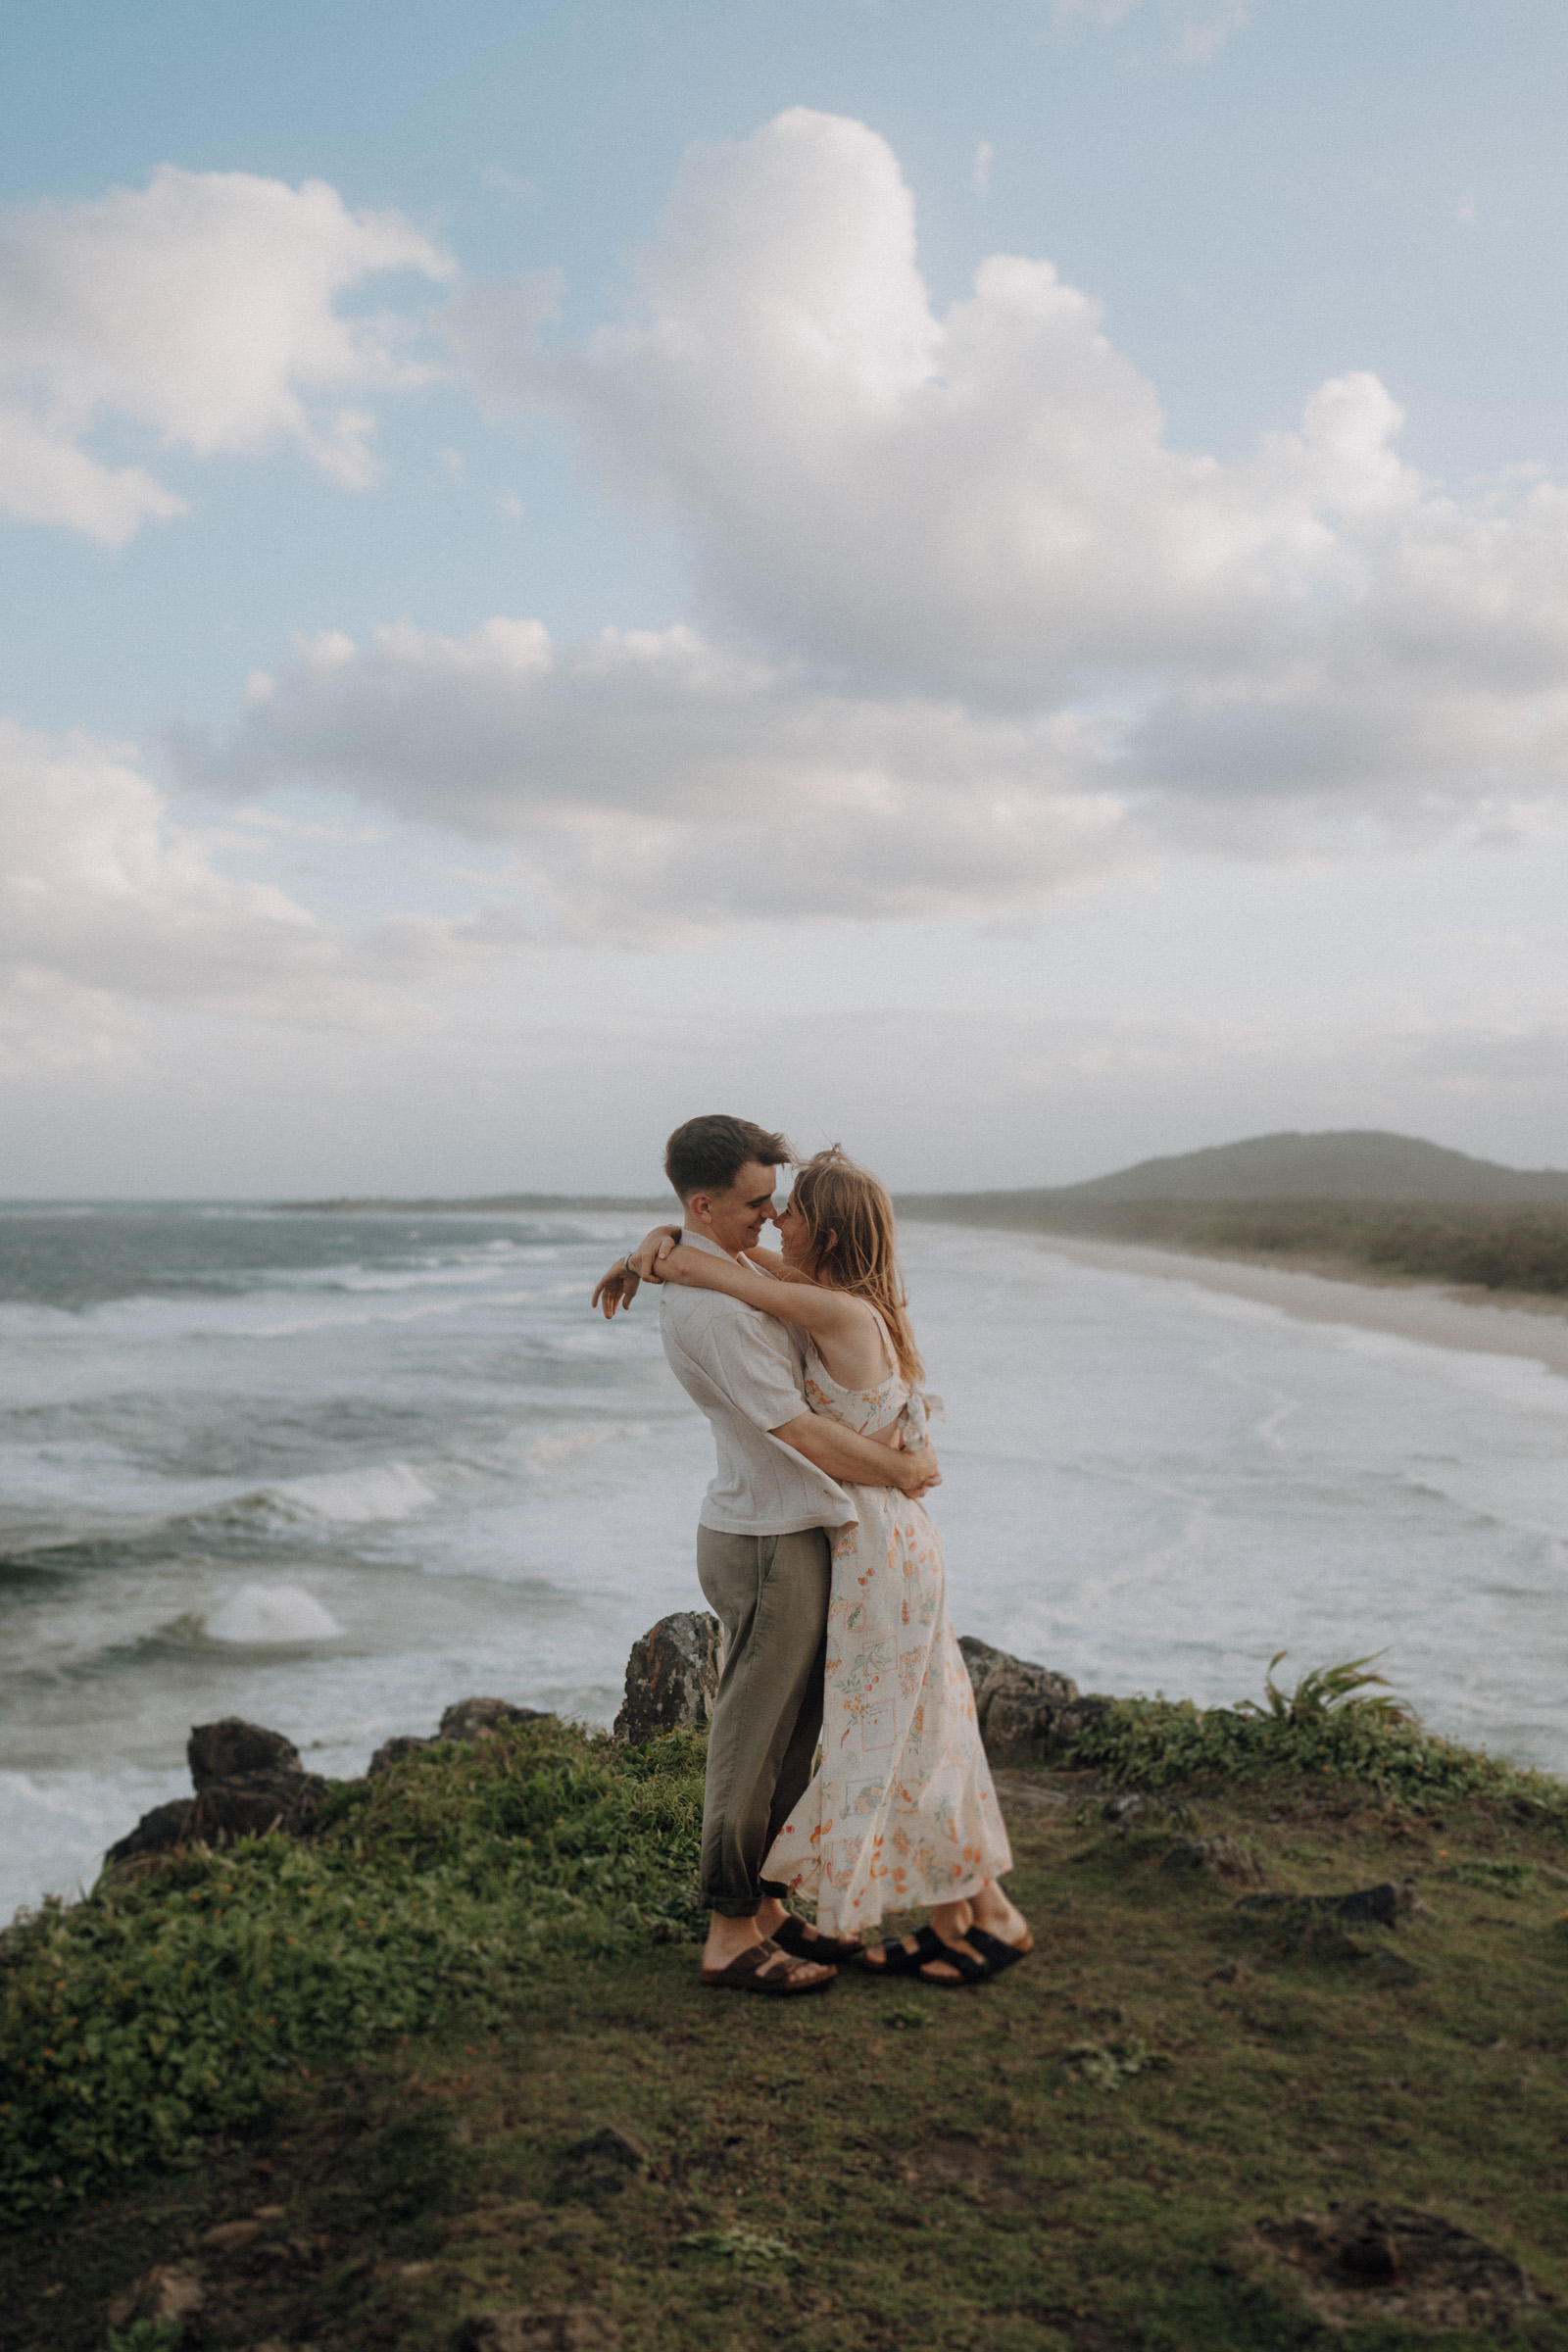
902, 1810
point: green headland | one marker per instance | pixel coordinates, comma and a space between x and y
447, 2056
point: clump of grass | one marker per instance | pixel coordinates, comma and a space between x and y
1108, 2065
1327, 1690
742, 2248
1330, 1726
135, 2023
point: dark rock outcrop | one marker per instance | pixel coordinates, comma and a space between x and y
250, 1807
236, 1750
467, 1719
1025, 1711
248, 1780
157, 1833
472, 1718
404, 1744
672, 1678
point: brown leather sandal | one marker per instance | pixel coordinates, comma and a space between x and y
749, 1972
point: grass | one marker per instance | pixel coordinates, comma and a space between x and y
1487, 1249
1071, 2157
131, 2026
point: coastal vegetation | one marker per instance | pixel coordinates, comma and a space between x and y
1484, 1248
448, 2054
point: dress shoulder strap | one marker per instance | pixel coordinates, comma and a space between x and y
890, 1351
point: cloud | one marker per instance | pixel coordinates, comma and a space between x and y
106, 906
656, 785
1195, 32
983, 499
978, 511
203, 311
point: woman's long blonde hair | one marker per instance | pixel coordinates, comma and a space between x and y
849, 1219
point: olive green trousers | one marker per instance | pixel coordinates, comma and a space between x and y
770, 1594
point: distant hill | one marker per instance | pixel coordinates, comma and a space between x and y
1360, 1164
1359, 1204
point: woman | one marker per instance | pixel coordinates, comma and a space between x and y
902, 1810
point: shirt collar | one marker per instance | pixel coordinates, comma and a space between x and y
700, 1240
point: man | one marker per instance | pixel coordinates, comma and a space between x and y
763, 1558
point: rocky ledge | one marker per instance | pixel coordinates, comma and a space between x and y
248, 1780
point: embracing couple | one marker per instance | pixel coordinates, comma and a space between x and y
815, 1551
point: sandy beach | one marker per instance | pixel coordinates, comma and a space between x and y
1440, 1317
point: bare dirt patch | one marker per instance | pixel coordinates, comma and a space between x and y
955, 2164
1364, 2261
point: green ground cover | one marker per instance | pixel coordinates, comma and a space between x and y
394, 2045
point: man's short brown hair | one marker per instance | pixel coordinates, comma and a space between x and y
706, 1155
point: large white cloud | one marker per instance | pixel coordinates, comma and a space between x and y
981, 507
975, 635
983, 498
107, 905
656, 784
202, 310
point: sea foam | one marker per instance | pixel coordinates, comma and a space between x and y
262, 1616
355, 1497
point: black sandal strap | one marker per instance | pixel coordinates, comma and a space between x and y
994, 1950
972, 1971
792, 1937
899, 1961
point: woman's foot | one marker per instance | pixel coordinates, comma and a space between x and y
996, 1915
920, 1954
988, 1930
951, 1922
998, 1931
797, 1935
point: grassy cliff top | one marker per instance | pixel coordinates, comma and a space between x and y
380, 2066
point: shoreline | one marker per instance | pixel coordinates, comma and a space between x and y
1429, 1313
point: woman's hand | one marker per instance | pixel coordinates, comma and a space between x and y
618, 1288
653, 1245
917, 1471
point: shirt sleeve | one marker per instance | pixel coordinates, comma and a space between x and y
755, 1364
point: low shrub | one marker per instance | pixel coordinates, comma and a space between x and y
160, 2009
1330, 1726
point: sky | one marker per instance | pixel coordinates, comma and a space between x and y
990, 583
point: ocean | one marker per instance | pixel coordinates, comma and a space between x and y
331, 1471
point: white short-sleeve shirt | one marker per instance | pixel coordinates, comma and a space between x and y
744, 1370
